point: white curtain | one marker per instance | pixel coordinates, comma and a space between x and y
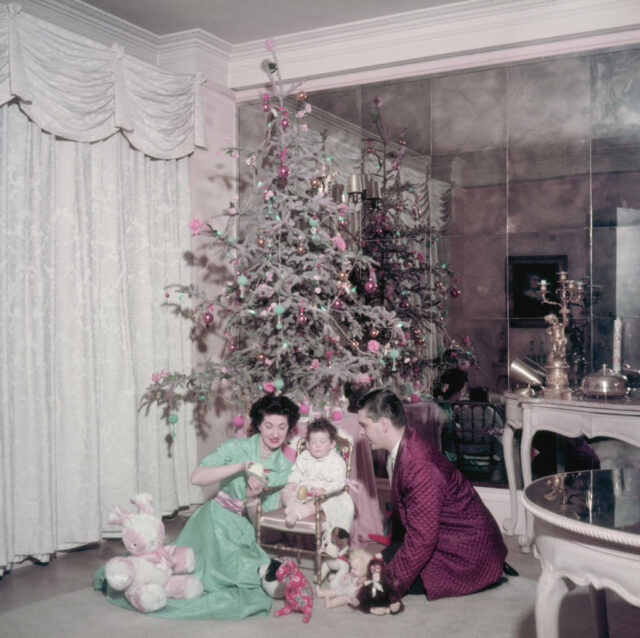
91, 231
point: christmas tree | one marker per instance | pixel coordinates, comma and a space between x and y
323, 289
398, 232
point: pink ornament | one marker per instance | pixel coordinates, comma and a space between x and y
415, 398
268, 387
370, 286
265, 106
373, 346
336, 415
302, 319
455, 292
207, 318
305, 408
283, 171
238, 420
284, 122
337, 304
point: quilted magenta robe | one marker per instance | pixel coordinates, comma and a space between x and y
449, 537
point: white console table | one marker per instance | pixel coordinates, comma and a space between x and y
614, 418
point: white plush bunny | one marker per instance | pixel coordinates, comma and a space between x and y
152, 572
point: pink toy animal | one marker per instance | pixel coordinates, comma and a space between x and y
153, 572
298, 594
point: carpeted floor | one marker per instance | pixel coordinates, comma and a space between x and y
58, 600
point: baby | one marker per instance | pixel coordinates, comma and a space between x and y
318, 470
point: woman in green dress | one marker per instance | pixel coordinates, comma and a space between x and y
221, 531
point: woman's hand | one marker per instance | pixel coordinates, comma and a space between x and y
255, 486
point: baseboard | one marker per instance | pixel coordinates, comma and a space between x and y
499, 504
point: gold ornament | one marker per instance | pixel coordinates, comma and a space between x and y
301, 250
315, 182
374, 332
343, 276
302, 96
355, 344
261, 242
261, 357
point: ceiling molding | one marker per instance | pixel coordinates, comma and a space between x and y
433, 34
437, 39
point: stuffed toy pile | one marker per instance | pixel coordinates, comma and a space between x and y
153, 572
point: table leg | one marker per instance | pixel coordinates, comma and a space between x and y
599, 603
549, 593
509, 524
525, 461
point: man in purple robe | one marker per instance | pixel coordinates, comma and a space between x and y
444, 541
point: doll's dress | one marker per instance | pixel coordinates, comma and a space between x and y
347, 585
224, 543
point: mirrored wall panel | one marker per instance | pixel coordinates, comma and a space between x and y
539, 166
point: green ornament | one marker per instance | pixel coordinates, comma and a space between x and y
173, 418
242, 280
278, 384
395, 353
278, 309
313, 222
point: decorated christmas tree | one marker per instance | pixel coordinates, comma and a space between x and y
398, 231
323, 289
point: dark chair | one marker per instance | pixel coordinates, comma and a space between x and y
476, 427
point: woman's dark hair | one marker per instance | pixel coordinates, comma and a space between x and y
270, 404
322, 424
452, 380
383, 403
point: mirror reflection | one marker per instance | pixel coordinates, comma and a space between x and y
535, 162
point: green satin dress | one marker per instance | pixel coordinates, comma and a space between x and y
224, 543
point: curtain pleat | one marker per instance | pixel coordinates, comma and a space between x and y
89, 236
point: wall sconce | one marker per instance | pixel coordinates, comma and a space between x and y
355, 188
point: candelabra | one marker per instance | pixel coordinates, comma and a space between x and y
568, 293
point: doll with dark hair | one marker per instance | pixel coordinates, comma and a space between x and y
319, 470
376, 595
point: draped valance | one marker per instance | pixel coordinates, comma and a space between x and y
77, 89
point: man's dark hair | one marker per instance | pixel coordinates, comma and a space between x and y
270, 404
383, 403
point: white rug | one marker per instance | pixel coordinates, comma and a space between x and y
504, 612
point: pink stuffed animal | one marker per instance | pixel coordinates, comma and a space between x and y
298, 595
153, 572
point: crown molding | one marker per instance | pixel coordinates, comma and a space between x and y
196, 51
433, 40
433, 34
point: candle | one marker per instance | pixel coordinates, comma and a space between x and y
617, 344
543, 285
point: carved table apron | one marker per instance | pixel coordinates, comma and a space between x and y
615, 418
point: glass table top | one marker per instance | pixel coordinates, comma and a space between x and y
604, 498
